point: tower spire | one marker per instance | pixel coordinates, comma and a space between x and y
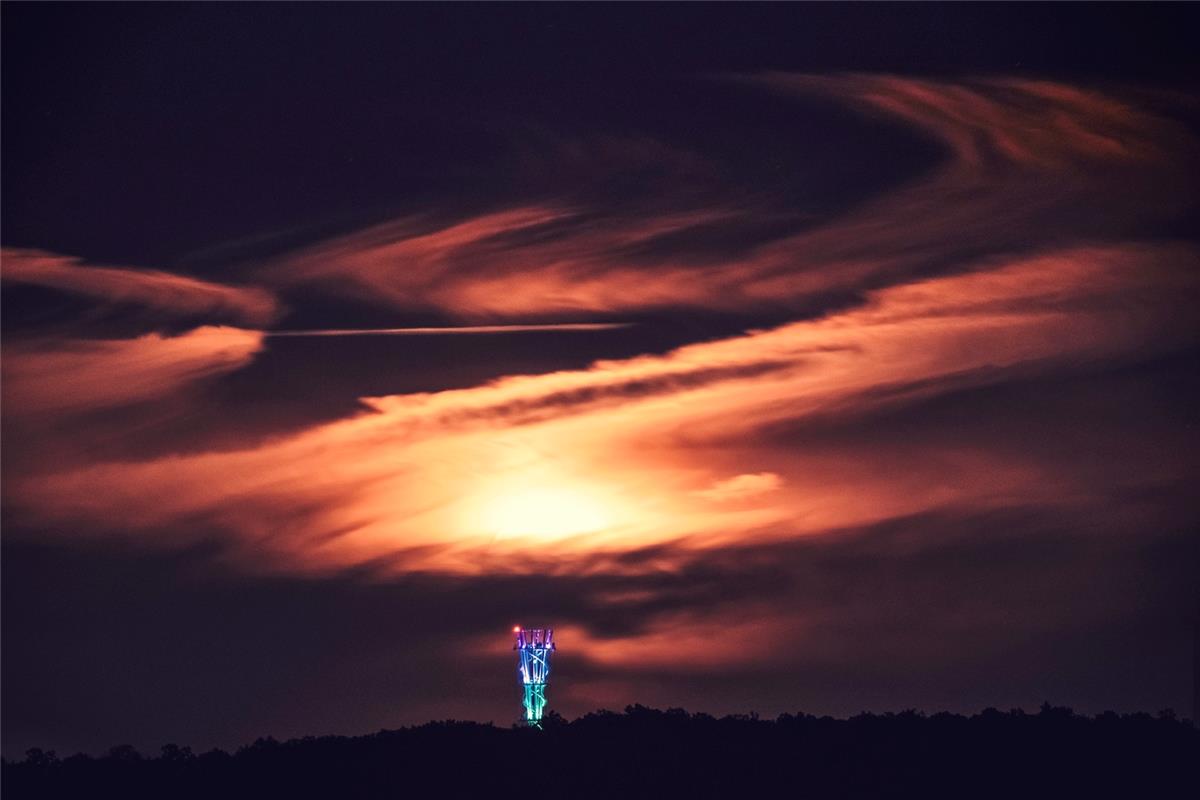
534, 647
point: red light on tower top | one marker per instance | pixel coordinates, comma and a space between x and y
534, 646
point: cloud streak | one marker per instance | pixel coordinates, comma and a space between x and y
421, 482
963, 282
153, 289
1028, 164
62, 377
461, 330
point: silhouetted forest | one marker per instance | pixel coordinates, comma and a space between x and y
645, 752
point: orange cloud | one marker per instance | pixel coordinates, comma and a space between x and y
51, 378
965, 280
1003, 123
558, 472
1028, 164
741, 487
163, 291
517, 262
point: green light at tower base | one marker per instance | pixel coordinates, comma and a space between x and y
535, 702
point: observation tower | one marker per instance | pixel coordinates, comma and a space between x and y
534, 646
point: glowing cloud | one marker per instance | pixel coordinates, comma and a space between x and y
163, 291
1017, 152
572, 471
555, 471
741, 487
85, 375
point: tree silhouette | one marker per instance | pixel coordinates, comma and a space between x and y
646, 752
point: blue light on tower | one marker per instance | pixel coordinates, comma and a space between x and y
534, 647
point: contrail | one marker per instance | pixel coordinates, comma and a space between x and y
455, 330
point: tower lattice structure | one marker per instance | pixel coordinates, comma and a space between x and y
534, 647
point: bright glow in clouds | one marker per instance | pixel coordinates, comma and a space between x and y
552, 472
694, 448
541, 511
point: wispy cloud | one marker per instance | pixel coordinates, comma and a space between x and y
155, 289
71, 376
964, 281
427, 481
1028, 165
741, 487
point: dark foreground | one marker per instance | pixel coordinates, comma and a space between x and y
644, 753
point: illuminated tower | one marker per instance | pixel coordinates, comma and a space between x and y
534, 647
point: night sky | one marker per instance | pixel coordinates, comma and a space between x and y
861, 375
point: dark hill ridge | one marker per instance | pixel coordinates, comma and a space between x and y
649, 753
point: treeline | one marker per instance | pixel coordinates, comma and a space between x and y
646, 752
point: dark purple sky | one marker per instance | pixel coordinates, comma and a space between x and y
862, 373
